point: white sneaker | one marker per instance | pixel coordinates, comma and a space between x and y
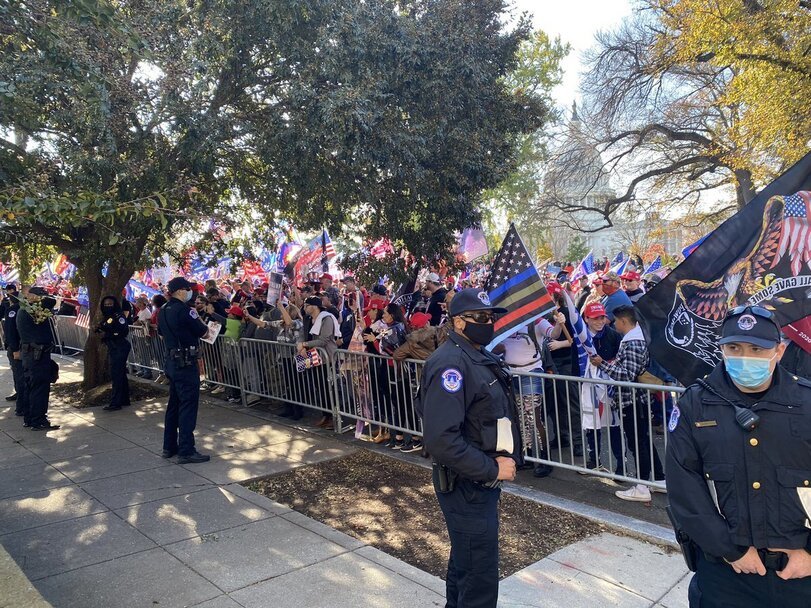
637, 493
218, 391
253, 399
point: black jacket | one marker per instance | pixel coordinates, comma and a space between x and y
434, 309
114, 327
463, 393
180, 325
607, 342
10, 327
755, 475
32, 332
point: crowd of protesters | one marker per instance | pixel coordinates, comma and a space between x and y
339, 318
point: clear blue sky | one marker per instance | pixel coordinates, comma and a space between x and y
576, 22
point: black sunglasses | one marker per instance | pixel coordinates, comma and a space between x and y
479, 317
758, 311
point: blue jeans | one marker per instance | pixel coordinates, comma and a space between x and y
528, 385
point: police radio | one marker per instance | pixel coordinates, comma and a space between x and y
746, 419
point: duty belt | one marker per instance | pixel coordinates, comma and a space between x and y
772, 560
31, 346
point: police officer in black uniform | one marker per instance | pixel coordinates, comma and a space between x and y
5, 306
739, 473
36, 345
181, 328
115, 328
12, 336
471, 431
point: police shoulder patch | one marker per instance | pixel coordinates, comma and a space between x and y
452, 380
193, 314
12, 314
122, 320
674, 419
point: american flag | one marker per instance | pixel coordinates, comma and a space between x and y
83, 318
796, 238
318, 251
515, 284
654, 265
327, 250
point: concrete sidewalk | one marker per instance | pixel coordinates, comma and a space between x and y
96, 518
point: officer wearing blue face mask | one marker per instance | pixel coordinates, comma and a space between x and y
181, 329
739, 473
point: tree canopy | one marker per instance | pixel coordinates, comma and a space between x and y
692, 101
127, 125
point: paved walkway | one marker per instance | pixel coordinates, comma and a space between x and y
96, 518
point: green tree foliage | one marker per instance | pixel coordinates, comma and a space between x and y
537, 72
124, 125
577, 249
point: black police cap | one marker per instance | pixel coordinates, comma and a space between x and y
471, 300
178, 283
753, 325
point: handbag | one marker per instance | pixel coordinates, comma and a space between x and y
310, 360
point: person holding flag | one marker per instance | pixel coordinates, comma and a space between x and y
594, 336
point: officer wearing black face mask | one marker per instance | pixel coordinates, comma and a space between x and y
36, 345
115, 328
181, 328
9, 315
470, 426
739, 473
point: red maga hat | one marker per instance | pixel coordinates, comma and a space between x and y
595, 310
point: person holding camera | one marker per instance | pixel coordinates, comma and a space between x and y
181, 328
739, 473
471, 431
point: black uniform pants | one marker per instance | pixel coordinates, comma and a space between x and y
19, 383
471, 514
37, 373
181, 412
716, 585
118, 350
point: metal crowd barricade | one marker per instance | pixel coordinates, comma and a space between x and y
148, 351
268, 370
613, 422
68, 335
220, 363
376, 390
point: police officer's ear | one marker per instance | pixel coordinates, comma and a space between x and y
458, 323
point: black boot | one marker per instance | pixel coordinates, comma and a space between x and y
542, 470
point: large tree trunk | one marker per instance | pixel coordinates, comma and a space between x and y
744, 187
96, 371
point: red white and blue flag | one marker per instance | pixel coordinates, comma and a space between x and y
516, 285
796, 239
